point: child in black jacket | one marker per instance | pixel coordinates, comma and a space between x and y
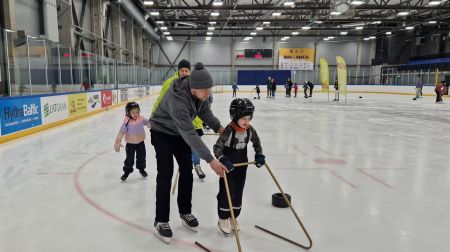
231, 148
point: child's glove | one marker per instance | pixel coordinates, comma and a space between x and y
117, 146
227, 162
260, 160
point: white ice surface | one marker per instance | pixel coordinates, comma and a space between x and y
371, 175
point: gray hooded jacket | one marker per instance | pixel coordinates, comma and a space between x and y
176, 111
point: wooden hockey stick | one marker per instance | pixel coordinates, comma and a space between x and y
230, 204
293, 211
175, 183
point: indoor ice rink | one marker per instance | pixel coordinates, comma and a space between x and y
353, 117
370, 175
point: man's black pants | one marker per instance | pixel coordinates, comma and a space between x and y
166, 147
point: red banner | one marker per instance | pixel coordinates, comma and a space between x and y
107, 98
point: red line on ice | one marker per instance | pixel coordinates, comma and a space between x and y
104, 211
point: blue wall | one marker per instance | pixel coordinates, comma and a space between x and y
253, 77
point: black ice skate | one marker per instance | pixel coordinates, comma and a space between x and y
163, 231
143, 173
189, 221
199, 171
124, 176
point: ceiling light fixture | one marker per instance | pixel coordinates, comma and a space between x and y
148, 3
276, 14
356, 2
217, 3
306, 27
434, 2
289, 3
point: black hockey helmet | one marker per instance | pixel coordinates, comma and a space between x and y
241, 107
130, 106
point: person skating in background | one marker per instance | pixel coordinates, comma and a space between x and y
418, 90
305, 89
336, 90
231, 148
258, 90
269, 87
274, 88
295, 89
289, 85
447, 85
235, 88
286, 89
133, 130
311, 87
440, 90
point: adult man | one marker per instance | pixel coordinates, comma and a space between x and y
269, 87
234, 87
184, 69
173, 135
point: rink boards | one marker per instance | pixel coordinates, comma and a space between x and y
22, 116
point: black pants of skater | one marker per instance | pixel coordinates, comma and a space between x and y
166, 147
438, 96
305, 90
139, 150
236, 183
269, 92
311, 87
234, 93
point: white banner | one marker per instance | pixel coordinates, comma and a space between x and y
54, 108
115, 94
94, 101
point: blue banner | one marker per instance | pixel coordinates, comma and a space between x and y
253, 77
19, 114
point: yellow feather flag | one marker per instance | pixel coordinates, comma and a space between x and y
342, 75
324, 75
436, 81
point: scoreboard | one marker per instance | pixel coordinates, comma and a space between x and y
255, 53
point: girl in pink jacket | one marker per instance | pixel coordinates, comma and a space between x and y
133, 130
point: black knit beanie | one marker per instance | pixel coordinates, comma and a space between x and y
200, 77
